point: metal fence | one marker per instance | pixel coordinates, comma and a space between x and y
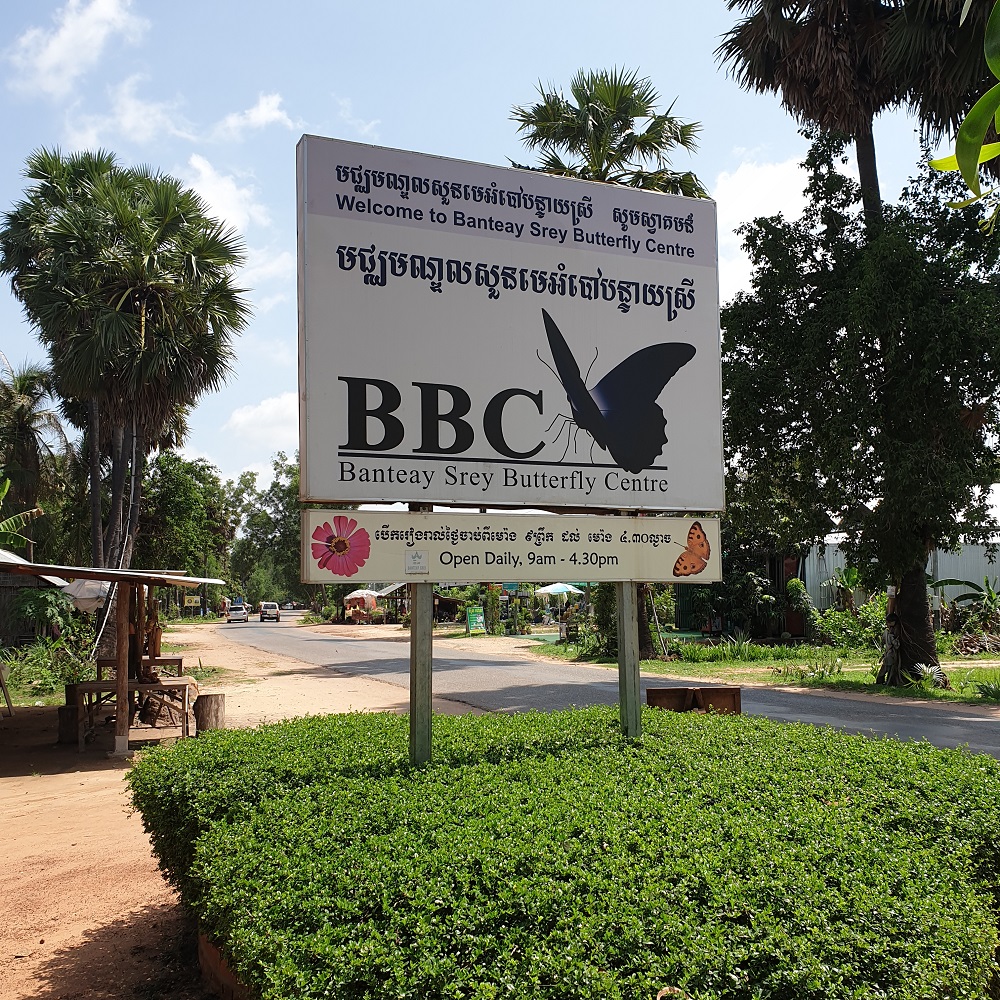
972, 563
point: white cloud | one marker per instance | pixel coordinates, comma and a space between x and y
130, 117
274, 422
238, 205
269, 302
265, 266
51, 61
267, 111
364, 130
751, 191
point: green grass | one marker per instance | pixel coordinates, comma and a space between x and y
806, 666
204, 671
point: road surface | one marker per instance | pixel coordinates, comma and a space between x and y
509, 682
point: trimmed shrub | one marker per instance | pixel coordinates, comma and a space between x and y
546, 855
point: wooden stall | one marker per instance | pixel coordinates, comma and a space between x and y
136, 661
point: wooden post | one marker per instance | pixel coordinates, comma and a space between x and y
123, 598
140, 628
421, 658
629, 705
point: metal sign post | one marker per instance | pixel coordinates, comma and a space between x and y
421, 658
628, 660
421, 645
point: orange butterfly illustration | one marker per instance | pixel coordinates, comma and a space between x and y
694, 558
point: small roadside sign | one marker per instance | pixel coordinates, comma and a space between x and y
475, 620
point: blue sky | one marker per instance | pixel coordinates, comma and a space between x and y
217, 92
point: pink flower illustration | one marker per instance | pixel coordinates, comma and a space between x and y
343, 548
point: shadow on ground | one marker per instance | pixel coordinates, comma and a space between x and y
164, 965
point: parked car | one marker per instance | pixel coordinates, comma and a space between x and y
269, 609
237, 613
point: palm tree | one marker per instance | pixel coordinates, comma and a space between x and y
28, 430
609, 130
840, 63
598, 129
130, 284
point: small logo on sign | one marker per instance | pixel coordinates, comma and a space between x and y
417, 561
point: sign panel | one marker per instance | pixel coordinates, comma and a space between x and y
192, 601
480, 335
476, 620
373, 545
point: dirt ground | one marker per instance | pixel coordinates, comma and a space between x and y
84, 911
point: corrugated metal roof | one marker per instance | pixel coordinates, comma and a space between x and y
15, 564
10, 557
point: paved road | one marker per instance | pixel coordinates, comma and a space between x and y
510, 683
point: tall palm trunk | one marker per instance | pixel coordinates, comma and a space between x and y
135, 499
94, 461
120, 445
871, 195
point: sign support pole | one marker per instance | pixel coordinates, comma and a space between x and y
628, 660
421, 655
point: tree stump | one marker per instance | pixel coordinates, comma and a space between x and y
210, 712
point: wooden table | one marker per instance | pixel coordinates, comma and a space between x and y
173, 664
90, 695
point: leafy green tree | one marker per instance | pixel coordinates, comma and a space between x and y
186, 522
63, 535
862, 371
268, 546
608, 129
130, 285
840, 63
31, 433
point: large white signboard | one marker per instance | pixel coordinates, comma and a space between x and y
376, 546
496, 337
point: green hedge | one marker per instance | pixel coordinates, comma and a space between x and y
546, 856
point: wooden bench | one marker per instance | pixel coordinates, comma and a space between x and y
91, 695
167, 664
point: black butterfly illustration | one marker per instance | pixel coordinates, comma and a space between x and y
620, 412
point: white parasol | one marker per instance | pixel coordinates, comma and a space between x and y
368, 596
87, 595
